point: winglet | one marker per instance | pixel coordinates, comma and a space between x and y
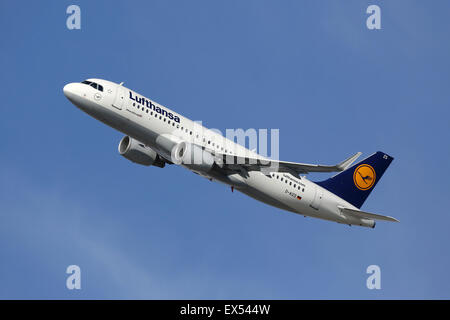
348, 162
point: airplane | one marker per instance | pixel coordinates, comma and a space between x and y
156, 136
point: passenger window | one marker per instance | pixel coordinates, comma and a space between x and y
100, 88
93, 85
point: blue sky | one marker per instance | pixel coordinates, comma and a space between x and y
311, 69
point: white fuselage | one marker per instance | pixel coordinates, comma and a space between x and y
149, 122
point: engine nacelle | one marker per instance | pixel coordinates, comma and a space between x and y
139, 153
184, 153
194, 157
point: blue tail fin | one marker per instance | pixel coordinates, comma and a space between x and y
355, 184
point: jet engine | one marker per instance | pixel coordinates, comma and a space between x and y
194, 157
139, 153
185, 153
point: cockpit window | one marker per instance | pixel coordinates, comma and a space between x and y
93, 85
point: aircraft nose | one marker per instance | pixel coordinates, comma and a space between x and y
74, 92
69, 90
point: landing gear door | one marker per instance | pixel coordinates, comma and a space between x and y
120, 97
315, 204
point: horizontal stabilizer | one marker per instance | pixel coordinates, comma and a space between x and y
365, 215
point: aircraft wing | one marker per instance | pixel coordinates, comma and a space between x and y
258, 164
365, 215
